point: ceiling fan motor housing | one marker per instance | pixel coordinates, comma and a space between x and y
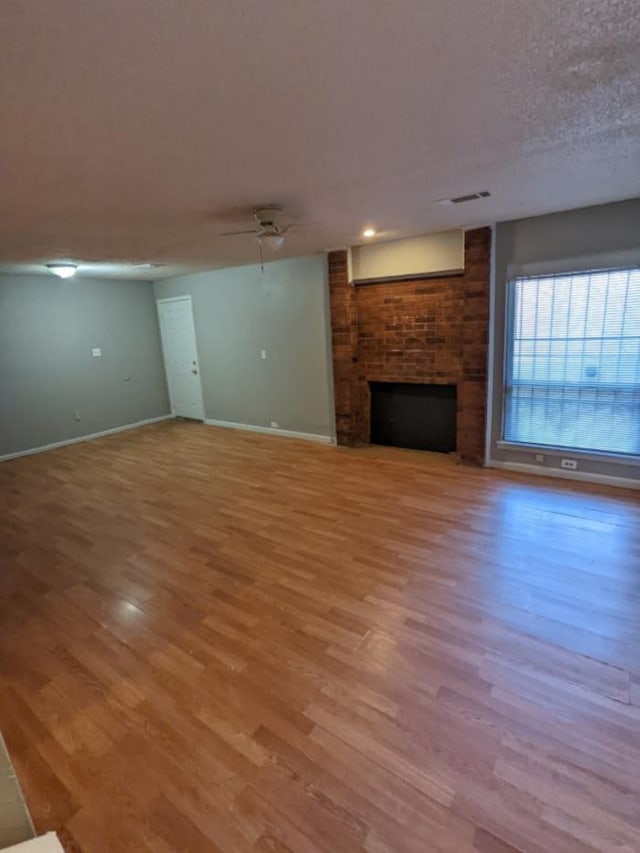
266, 216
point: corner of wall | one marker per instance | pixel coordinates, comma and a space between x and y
491, 353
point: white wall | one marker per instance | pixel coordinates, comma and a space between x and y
426, 255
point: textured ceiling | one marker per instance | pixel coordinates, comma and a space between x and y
137, 130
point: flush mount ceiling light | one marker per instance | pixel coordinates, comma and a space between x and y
63, 270
369, 232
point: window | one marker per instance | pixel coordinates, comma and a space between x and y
573, 361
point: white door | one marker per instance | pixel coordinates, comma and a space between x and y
181, 357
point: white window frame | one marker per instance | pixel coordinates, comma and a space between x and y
622, 260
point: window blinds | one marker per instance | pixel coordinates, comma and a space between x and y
573, 361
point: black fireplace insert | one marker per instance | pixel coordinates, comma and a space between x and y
421, 417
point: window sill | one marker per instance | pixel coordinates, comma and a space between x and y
591, 455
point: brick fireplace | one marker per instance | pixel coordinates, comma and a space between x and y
430, 331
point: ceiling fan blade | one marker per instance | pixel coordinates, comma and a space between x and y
235, 233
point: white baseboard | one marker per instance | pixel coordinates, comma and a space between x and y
287, 433
581, 476
43, 448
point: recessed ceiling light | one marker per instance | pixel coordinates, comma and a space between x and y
63, 270
369, 232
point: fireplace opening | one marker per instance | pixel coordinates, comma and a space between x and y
420, 417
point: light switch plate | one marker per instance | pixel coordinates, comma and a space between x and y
96, 352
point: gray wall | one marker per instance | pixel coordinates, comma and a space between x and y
574, 239
48, 328
239, 312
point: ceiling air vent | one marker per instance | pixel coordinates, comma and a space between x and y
462, 199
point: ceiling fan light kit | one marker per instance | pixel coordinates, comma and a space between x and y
272, 241
268, 232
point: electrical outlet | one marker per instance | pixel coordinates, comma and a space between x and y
263, 353
76, 414
96, 352
274, 424
539, 458
571, 464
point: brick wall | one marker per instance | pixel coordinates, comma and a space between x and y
432, 331
344, 338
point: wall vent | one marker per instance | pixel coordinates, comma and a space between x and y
462, 199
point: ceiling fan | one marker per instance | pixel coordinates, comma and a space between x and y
269, 231
270, 227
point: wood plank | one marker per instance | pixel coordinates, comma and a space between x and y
215, 640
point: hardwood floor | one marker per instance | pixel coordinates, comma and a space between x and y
214, 640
